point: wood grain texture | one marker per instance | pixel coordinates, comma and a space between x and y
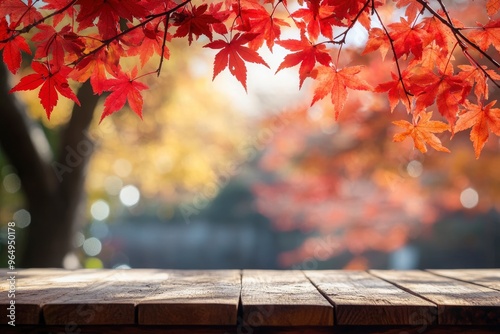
151, 329
459, 303
489, 278
282, 298
110, 299
175, 301
35, 287
193, 298
362, 299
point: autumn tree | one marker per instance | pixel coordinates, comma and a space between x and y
355, 196
441, 73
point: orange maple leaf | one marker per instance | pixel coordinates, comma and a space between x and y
335, 82
377, 40
487, 35
396, 92
257, 20
422, 132
440, 33
409, 38
412, 8
447, 90
97, 64
493, 6
482, 120
475, 76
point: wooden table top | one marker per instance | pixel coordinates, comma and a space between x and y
253, 301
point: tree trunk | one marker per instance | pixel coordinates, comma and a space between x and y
53, 188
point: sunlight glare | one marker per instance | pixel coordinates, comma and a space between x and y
414, 168
71, 261
12, 183
469, 198
22, 218
92, 246
130, 195
99, 210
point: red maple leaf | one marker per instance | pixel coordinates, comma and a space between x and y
57, 6
482, 120
146, 42
395, 91
124, 88
53, 79
334, 82
447, 90
235, 54
409, 38
423, 132
306, 53
194, 22
54, 43
107, 13
97, 64
217, 11
19, 12
348, 10
12, 47
318, 17
158, 6
259, 21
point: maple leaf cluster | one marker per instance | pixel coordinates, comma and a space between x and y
86, 40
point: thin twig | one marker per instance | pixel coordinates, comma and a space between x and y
36, 23
128, 30
396, 59
167, 18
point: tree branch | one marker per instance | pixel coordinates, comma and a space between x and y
461, 38
76, 146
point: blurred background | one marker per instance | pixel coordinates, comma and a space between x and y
213, 177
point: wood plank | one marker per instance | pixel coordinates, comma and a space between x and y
193, 298
362, 299
282, 298
151, 329
489, 278
35, 287
459, 303
110, 299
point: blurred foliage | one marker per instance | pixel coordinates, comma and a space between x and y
351, 189
190, 133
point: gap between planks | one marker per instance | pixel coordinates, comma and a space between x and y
459, 302
283, 298
363, 299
